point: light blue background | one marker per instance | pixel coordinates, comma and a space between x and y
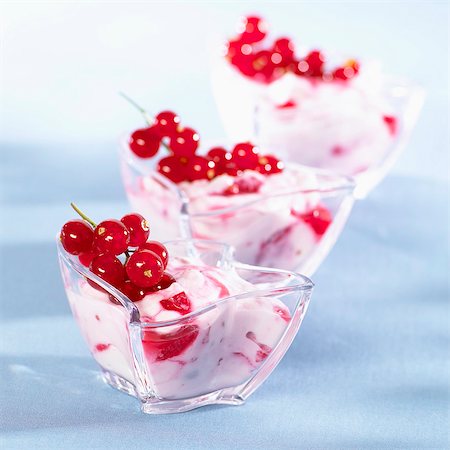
369, 368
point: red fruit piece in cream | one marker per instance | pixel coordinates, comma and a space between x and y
165, 346
319, 219
248, 185
178, 302
391, 123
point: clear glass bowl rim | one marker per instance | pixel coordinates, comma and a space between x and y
302, 283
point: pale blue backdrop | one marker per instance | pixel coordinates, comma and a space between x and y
370, 366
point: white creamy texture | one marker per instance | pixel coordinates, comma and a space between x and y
205, 196
228, 343
335, 125
265, 227
264, 232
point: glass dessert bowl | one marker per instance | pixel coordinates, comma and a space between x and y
287, 220
350, 119
240, 322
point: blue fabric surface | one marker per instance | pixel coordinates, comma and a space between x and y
369, 368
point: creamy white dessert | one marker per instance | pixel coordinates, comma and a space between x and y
275, 221
209, 351
347, 126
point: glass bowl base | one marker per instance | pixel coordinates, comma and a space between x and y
154, 405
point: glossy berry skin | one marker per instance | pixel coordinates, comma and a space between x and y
199, 168
145, 142
268, 165
111, 236
108, 268
241, 56
237, 51
346, 72
166, 281
144, 268
159, 249
245, 156
173, 167
138, 228
315, 61
263, 65
285, 47
167, 123
185, 142
218, 154
220, 157
246, 66
253, 30
232, 169
77, 237
86, 258
133, 292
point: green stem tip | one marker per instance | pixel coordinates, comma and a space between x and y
82, 215
146, 115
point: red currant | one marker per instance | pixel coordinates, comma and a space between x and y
76, 237
220, 157
159, 249
86, 258
241, 55
253, 29
167, 123
133, 292
263, 65
218, 154
144, 268
245, 156
285, 47
184, 142
174, 168
349, 70
268, 165
232, 169
108, 268
145, 142
138, 228
165, 281
199, 168
315, 61
111, 236
238, 50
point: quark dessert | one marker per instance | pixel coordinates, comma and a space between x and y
274, 215
188, 325
340, 117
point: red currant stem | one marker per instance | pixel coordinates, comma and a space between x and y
82, 215
150, 120
146, 115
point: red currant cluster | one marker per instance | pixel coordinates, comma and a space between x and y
183, 163
98, 247
265, 65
